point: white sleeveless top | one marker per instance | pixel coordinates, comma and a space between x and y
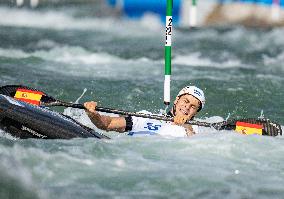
145, 126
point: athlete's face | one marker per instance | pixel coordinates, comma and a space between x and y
187, 105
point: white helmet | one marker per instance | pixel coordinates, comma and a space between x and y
194, 91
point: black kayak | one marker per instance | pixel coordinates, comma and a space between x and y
23, 120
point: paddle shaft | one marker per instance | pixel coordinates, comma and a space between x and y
121, 112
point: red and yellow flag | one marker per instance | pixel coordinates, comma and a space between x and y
29, 96
248, 128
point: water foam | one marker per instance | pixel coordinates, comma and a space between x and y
48, 19
68, 54
12, 159
59, 20
13, 53
195, 59
67, 59
275, 61
79, 55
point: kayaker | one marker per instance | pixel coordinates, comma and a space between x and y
189, 101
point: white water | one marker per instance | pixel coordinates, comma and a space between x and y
212, 165
58, 20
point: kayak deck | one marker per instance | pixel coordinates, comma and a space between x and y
23, 120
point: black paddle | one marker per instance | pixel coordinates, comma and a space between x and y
259, 126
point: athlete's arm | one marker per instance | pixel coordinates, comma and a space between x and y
104, 122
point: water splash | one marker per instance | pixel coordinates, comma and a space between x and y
84, 91
261, 115
166, 110
229, 114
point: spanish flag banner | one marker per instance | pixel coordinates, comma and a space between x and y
248, 128
29, 96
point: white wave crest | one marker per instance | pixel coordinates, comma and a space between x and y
275, 61
78, 61
195, 59
59, 20
64, 54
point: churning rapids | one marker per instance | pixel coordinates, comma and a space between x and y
65, 50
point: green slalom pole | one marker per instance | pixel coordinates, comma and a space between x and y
193, 12
168, 52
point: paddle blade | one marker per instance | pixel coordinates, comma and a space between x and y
251, 126
26, 94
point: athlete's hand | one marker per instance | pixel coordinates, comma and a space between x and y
181, 119
91, 107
